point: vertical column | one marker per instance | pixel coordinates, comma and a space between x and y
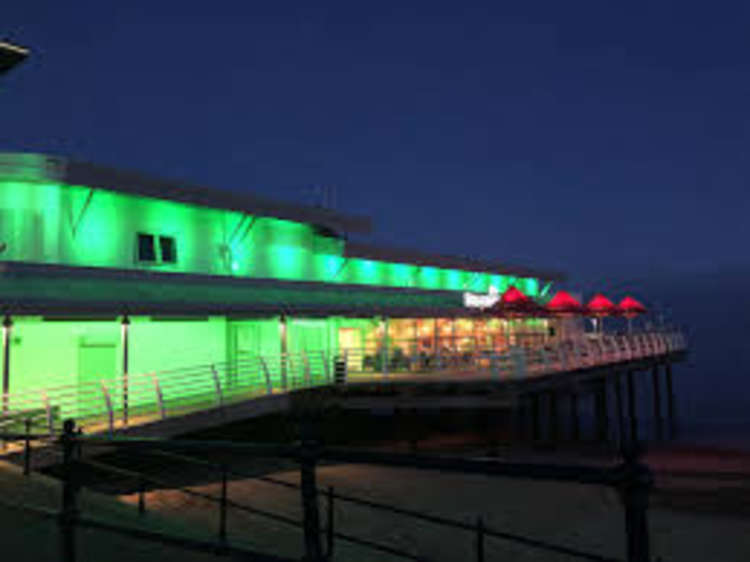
657, 402
670, 401
600, 409
553, 417
7, 327
575, 422
454, 343
283, 345
632, 410
385, 350
535, 417
621, 429
125, 340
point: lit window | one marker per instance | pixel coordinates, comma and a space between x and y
168, 249
146, 250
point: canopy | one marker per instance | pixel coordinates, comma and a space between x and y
630, 308
562, 304
600, 305
513, 303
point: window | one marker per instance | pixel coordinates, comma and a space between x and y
146, 250
168, 249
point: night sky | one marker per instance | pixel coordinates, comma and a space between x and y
607, 140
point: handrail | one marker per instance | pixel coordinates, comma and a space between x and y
159, 395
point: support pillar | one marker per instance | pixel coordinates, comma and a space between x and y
386, 354
670, 401
575, 421
284, 349
621, 429
657, 402
632, 409
125, 340
554, 435
7, 327
600, 410
535, 417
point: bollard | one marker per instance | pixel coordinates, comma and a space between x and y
27, 448
634, 493
69, 511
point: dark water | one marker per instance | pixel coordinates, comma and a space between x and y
712, 386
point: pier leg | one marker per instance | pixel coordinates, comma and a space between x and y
535, 417
632, 409
575, 422
670, 401
600, 410
553, 417
621, 429
657, 402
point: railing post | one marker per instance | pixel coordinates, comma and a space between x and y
306, 364
110, 411
634, 493
330, 528
223, 506
326, 367
480, 539
217, 386
267, 374
69, 511
159, 395
48, 412
308, 454
142, 496
27, 448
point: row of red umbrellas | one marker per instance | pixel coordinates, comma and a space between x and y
514, 303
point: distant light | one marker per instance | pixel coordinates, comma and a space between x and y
235, 266
11, 55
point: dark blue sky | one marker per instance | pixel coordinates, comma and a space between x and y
604, 139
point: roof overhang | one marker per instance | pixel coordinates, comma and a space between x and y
134, 183
379, 253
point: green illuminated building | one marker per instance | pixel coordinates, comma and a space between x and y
91, 256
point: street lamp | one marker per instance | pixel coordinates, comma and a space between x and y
11, 55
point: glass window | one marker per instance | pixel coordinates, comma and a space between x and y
168, 249
146, 250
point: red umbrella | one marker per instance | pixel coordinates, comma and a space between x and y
513, 303
600, 306
562, 304
630, 308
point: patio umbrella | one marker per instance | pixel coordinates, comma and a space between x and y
562, 304
630, 308
600, 306
514, 304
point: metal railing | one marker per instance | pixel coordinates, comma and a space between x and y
132, 399
631, 479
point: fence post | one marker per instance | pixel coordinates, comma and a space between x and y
480, 539
141, 496
110, 411
306, 365
634, 492
69, 511
223, 506
308, 454
217, 386
48, 412
329, 529
159, 395
266, 374
326, 367
27, 448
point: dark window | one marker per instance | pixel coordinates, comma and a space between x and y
168, 249
146, 251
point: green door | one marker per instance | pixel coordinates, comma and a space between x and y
95, 362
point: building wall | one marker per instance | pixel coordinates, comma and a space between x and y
47, 222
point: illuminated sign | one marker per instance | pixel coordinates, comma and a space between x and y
479, 300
